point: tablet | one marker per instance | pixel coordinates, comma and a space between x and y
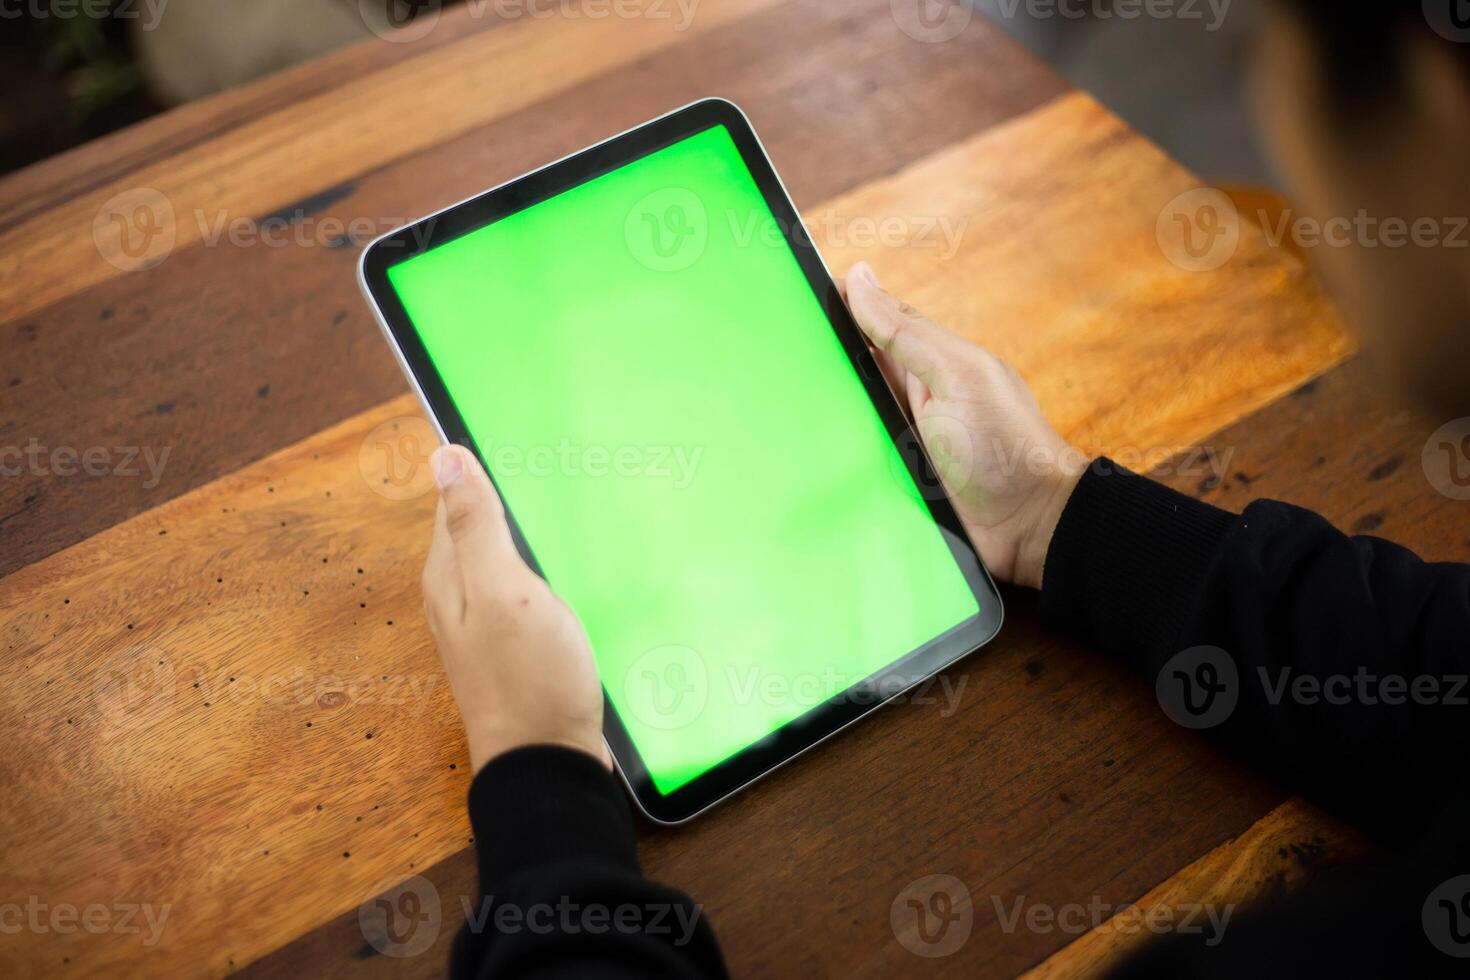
694, 446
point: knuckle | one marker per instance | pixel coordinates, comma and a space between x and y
509, 595
462, 517
489, 615
907, 311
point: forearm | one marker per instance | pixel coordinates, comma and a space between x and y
1348, 654
562, 895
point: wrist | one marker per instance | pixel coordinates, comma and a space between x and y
1050, 501
489, 742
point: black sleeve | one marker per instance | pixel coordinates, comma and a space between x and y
1339, 663
561, 893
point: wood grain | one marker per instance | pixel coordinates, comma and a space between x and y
342, 133
1281, 852
1349, 446
223, 699
216, 356
43, 186
254, 576
1055, 776
1339, 444
1084, 210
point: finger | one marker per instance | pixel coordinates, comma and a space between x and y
902, 383
474, 518
841, 285
896, 376
443, 585
918, 345
918, 395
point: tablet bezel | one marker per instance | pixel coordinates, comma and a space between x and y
822, 721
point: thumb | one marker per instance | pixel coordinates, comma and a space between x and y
473, 512
916, 344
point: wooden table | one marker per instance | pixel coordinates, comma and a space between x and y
220, 697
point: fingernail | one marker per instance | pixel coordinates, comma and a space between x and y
865, 272
447, 466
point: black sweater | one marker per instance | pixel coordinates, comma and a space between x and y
1336, 664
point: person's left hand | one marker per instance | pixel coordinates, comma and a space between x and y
517, 656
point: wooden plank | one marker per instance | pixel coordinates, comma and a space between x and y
323, 141
46, 184
215, 586
1096, 282
1054, 776
1343, 446
183, 741
1281, 852
1339, 445
1347, 446
215, 357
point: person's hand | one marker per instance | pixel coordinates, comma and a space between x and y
517, 657
1007, 470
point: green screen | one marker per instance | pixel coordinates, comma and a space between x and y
691, 455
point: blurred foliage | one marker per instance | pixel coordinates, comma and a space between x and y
90, 55
72, 74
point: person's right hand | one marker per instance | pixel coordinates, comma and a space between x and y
1007, 470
